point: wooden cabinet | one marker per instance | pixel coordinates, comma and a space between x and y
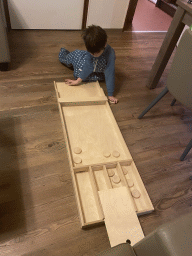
46, 14
65, 14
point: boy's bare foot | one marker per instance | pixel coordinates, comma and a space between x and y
112, 99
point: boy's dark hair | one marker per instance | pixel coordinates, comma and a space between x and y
95, 38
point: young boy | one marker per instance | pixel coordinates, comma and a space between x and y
95, 64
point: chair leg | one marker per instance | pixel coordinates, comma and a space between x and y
187, 149
173, 102
165, 91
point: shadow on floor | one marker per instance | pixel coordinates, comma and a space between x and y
12, 211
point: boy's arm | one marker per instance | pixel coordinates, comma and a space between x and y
110, 73
87, 68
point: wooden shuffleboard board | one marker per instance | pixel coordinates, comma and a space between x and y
98, 155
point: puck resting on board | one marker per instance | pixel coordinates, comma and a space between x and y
135, 193
111, 172
77, 150
77, 160
116, 179
130, 183
116, 153
106, 153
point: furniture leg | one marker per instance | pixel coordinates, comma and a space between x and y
4, 66
186, 151
167, 48
161, 95
173, 102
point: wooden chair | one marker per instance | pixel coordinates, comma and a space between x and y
179, 82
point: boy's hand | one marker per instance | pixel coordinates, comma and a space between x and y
71, 82
112, 99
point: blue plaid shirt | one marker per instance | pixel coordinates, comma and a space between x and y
90, 68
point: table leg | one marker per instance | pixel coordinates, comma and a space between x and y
167, 48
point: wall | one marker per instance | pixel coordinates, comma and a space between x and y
107, 13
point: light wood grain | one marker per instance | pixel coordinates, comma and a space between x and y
116, 174
143, 203
87, 125
107, 179
82, 218
91, 128
88, 201
80, 92
120, 218
124, 181
102, 180
95, 191
71, 101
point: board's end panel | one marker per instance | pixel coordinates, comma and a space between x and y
80, 92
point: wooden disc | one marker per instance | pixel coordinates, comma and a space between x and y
125, 171
77, 160
135, 193
116, 154
130, 183
111, 172
106, 154
116, 179
77, 150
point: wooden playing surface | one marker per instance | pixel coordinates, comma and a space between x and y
90, 124
120, 218
92, 129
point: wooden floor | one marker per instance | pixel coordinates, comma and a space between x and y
38, 212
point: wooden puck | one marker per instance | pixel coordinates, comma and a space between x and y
111, 172
77, 150
116, 179
106, 154
130, 183
116, 154
135, 193
77, 160
125, 171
